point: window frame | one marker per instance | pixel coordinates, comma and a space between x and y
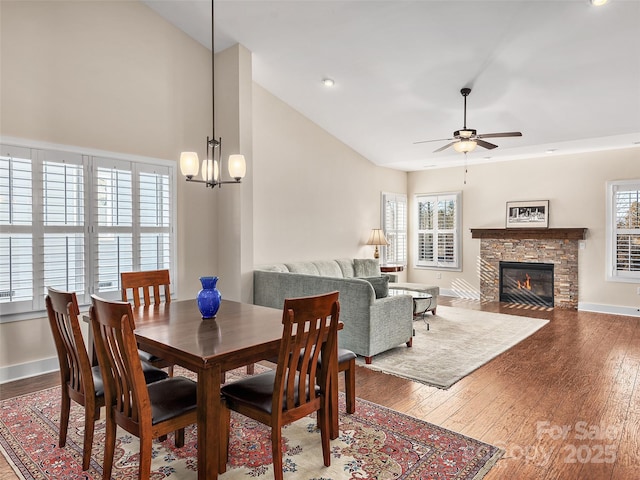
612, 273
436, 264
38, 153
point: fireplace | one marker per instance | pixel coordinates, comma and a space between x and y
526, 282
557, 246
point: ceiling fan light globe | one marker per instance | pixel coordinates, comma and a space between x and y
465, 146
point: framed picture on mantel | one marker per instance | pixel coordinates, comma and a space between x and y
530, 214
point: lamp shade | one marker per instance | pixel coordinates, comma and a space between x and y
189, 164
377, 237
237, 166
465, 146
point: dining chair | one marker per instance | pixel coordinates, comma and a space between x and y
79, 381
148, 287
146, 411
347, 364
295, 388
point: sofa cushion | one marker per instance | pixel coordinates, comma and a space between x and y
328, 268
346, 265
308, 268
366, 267
277, 267
380, 285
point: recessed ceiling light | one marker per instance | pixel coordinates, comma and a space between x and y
550, 151
328, 82
598, 3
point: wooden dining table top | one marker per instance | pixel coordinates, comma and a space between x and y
239, 334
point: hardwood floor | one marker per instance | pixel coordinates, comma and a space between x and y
563, 404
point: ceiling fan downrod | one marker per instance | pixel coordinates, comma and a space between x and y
465, 91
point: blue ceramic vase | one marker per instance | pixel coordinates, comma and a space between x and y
209, 297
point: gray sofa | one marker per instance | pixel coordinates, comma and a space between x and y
371, 325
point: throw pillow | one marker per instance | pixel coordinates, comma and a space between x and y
380, 285
366, 267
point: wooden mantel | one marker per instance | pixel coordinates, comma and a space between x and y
530, 233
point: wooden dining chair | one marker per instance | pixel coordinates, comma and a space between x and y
147, 411
295, 388
149, 287
79, 381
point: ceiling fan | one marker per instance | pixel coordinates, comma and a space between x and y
466, 139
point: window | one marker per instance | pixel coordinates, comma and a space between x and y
73, 221
623, 231
394, 225
438, 230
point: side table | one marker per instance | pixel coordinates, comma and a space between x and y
391, 268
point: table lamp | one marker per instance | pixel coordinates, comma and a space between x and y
377, 238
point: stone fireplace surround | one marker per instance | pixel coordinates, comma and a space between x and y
541, 245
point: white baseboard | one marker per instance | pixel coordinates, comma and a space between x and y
30, 369
610, 309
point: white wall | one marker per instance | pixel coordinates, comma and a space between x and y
314, 197
575, 187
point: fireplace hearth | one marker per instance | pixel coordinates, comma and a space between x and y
527, 283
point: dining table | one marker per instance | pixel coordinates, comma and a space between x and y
239, 335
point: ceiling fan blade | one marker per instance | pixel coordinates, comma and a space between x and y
445, 147
484, 144
439, 140
503, 134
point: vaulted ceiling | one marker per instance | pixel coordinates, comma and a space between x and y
564, 73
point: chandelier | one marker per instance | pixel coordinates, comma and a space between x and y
212, 164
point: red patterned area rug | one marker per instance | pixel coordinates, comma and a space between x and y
374, 443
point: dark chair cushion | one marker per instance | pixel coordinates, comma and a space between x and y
97, 381
147, 357
345, 355
153, 374
380, 285
256, 391
172, 397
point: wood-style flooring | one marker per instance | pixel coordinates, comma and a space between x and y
563, 404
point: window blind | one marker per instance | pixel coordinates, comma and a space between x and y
394, 225
438, 222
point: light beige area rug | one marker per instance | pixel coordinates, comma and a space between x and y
458, 342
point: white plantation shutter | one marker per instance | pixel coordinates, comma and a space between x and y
62, 253
74, 222
113, 228
394, 224
155, 216
438, 236
16, 230
624, 231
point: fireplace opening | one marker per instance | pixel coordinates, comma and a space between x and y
528, 283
